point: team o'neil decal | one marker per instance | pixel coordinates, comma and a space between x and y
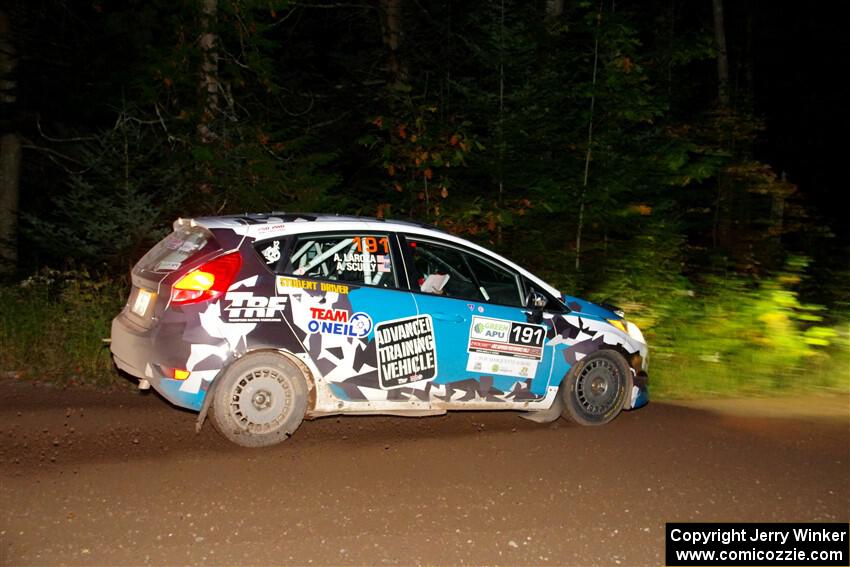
339, 322
406, 350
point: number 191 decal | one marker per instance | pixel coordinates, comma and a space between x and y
507, 348
371, 244
522, 334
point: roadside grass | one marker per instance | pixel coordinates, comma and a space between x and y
689, 375
52, 325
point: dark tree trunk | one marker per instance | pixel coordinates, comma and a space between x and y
10, 174
722, 57
392, 27
589, 152
209, 69
10, 151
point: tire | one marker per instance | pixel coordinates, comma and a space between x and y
260, 401
595, 389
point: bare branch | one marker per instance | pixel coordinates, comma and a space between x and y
274, 155
51, 152
171, 138
60, 140
236, 60
286, 17
52, 155
302, 113
336, 5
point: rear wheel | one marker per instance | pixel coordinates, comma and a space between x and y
260, 400
595, 389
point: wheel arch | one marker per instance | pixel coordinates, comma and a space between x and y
305, 372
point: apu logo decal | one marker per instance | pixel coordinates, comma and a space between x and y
490, 328
247, 307
339, 322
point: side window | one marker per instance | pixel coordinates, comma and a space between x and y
497, 284
449, 271
442, 271
359, 259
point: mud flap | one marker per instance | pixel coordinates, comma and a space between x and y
202, 416
547, 415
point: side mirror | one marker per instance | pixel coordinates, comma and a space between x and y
618, 311
536, 300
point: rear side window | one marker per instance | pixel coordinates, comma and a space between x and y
359, 259
170, 252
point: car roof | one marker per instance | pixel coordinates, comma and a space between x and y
256, 219
271, 225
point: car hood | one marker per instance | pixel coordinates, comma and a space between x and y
583, 307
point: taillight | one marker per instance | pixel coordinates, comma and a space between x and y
208, 281
174, 373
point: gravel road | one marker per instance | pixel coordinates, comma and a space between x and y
120, 478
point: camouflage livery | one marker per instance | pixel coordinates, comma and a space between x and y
367, 349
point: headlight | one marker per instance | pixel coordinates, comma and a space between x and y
634, 332
629, 328
619, 323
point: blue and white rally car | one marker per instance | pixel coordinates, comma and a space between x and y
264, 320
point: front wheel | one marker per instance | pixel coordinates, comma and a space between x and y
595, 389
260, 400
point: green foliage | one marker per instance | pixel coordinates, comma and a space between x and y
52, 325
736, 335
418, 151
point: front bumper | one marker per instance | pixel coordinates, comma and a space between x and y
640, 390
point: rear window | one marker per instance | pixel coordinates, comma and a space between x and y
170, 252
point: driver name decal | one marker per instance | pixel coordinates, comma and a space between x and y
407, 351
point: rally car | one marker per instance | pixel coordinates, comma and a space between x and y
262, 321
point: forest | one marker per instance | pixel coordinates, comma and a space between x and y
676, 158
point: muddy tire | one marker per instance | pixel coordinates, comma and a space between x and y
260, 400
595, 389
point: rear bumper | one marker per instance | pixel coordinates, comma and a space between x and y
130, 348
137, 352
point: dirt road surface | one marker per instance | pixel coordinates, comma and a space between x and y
119, 478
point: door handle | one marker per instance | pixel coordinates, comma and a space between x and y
452, 318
